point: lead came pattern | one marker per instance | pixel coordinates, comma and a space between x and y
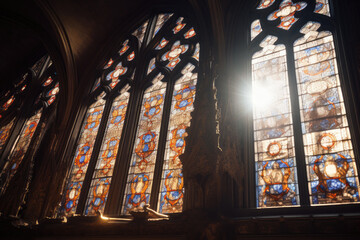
255, 29
274, 142
331, 169
172, 183
140, 176
101, 180
18, 153
82, 157
322, 7
286, 13
5, 133
161, 20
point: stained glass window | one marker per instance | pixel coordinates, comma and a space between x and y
286, 13
172, 183
274, 141
137, 160
330, 159
17, 154
14, 104
5, 133
322, 7
324, 150
82, 156
101, 179
143, 159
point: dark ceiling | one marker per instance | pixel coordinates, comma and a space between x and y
86, 24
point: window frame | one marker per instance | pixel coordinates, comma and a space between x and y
31, 101
137, 86
287, 38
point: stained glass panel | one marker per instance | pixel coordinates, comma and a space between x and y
19, 150
172, 183
179, 25
123, 49
286, 13
189, 34
151, 65
265, 4
8, 103
322, 7
37, 66
173, 55
101, 179
82, 157
196, 54
276, 176
5, 133
255, 28
161, 20
114, 76
140, 32
48, 81
140, 176
332, 174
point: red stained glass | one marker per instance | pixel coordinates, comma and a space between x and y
162, 44
124, 48
273, 132
114, 75
5, 133
172, 183
109, 63
189, 34
174, 54
20, 148
102, 175
140, 176
265, 4
131, 56
82, 157
48, 81
179, 25
53, 91
23, 88
332, 174
8, 103
286, 13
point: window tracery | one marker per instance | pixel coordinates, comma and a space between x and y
14, 108
304, 73
165, 91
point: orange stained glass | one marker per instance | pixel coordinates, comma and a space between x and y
19, 150
5, 133
141, 171
331, 168
103, 173
276, 175
81, 158
172, 182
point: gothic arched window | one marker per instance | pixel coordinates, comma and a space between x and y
303, 149
134, 129
22, 108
